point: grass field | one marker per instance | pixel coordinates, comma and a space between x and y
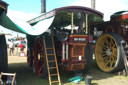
25, 76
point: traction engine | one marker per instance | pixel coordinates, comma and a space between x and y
67, 39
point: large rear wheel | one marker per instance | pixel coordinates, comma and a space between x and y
40, 63
108, 52
39, 58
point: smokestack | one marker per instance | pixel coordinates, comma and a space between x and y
43, 6
93, 4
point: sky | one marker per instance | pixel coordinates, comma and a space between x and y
24, 10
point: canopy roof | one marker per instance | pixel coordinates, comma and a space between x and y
121, 15
41, 23
65, 11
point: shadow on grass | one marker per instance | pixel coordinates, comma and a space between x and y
95, 72
25, 76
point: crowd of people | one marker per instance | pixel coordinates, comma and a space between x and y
20, 45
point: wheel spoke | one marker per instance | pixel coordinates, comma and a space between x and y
105, 58
111, 63
104, 54
113, 46
107, 42
41, 68
102, 45
107, 63
104, 48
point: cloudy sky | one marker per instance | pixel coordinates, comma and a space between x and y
24, 10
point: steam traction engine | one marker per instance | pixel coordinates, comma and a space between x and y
67, 39
111, 54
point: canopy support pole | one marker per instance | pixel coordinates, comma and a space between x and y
72, 22
86, 22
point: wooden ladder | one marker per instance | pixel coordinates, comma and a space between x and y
51, 61
124, 48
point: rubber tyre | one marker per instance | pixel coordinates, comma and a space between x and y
88, 57
3, 54
118, 62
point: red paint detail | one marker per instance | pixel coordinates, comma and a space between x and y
90, 37
125, 16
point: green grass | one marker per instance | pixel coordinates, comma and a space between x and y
25, 76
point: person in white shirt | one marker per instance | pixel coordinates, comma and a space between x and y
11, 46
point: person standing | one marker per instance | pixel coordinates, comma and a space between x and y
11, 46
21, 47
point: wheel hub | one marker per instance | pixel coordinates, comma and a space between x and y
108, 52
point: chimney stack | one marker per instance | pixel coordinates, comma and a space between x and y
93, 4
43, 6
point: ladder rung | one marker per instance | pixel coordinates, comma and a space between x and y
50, 54
51, 61
55, 82
52, 67
49, 48
54, 74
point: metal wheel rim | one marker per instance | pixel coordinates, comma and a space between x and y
106, 52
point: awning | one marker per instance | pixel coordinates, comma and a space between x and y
24, 27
